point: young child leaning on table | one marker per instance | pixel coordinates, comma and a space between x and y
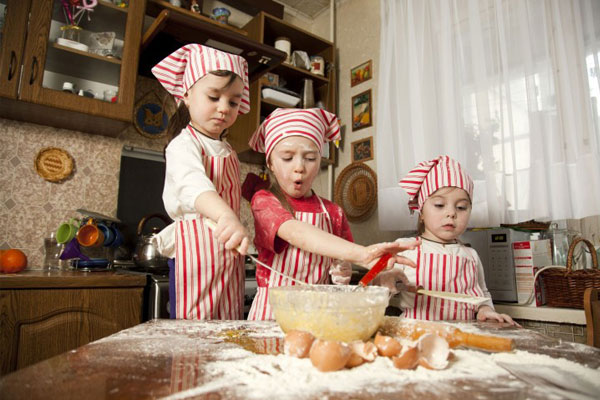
203, 181
297, 232
441, 191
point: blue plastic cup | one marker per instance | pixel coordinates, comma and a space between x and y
109, 234
118, 236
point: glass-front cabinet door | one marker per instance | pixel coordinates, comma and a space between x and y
13, 29
82, 55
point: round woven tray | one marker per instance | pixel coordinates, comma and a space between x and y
356, 191
53, 164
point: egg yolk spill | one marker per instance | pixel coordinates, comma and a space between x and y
270, 345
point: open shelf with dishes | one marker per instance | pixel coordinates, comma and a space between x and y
286, 78
71, 65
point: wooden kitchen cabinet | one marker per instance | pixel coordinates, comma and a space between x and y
43, 314
265, 28
34, 66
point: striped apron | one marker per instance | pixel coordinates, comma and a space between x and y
209, 280
447, 273
296, 263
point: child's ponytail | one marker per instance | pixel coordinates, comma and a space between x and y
420, 226
278, 193
179, 120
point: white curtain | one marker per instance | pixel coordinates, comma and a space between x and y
510, 88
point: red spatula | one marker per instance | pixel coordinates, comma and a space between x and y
377, 268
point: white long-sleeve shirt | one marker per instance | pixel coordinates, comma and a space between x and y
185, 177
185, 180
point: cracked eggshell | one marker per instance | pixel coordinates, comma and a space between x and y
434, 351
408, 359
361, 352
329, 355
387, 346
298, 343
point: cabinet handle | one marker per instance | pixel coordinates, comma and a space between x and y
34, 70
12, 67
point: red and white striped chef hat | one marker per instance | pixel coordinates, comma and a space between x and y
179, 71
316, 124
427, 177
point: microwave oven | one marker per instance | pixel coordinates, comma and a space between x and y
494, 247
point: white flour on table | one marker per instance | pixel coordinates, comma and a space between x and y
266, 376
255, 376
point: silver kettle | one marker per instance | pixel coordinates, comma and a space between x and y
146, 254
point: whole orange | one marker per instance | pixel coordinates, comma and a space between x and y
12, 261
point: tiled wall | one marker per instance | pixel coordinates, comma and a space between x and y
567, 332
30, 207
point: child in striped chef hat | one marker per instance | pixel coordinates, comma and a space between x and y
203, 182
441, 191
298, 233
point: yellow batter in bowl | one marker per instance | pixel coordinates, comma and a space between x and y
330, 312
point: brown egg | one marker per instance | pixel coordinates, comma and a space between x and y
329, 355
361, 352
354, 361
408, 359
451, 355
298, 343
387, 346
434, 351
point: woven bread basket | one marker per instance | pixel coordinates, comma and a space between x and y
53, 164
356, 191
565, 288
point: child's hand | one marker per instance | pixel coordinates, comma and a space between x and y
341, 272
232, 233
393, 279
486, 313
375, 251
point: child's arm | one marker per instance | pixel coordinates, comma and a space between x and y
313, 239
230, 230
190, 191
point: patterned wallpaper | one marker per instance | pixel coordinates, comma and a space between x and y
31, 208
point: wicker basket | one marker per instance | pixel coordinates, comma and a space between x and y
564, 288
356, 191
53, 164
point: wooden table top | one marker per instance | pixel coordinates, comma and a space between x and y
39, 279
180, 359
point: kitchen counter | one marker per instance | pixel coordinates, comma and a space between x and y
36, 279
547, 314
179, 359
45, 313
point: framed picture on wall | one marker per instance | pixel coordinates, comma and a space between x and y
362, 114
361, 73
362, 150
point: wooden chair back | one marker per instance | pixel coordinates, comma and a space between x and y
591, 305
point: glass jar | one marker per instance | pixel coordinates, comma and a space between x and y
561, 241
71, 32
53, 250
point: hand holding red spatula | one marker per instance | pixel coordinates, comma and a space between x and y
377, 268
381, 264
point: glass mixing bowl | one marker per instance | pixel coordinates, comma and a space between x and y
330, 312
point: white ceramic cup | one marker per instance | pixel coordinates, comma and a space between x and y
110, 96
